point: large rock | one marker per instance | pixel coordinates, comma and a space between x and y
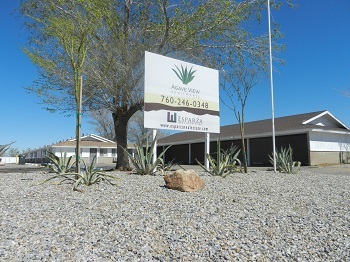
186, 181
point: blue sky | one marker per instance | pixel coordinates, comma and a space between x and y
317, 39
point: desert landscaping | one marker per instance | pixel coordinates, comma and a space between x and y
260, 216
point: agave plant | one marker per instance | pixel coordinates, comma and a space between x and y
165, 166
60, 165
89, 176
184, 75
143, 161
226, 161
284, 161
3, 148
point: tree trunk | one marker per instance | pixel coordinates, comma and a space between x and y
121, 118
79, 87
120, 127
245, 164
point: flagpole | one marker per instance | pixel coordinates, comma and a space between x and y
271, 86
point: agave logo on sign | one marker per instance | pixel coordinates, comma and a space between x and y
184, 75
180, 95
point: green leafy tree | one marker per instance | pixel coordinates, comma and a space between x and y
59, 42
188, 30
203, 32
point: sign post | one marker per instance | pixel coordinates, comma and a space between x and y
207, 150
154, 136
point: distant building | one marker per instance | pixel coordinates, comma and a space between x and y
91, 145
316, 138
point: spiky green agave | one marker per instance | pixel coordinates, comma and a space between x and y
60, 165
284, 161
143, 161
225, 163
89, 176
184, 75
3, 148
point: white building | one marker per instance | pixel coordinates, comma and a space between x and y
91, 145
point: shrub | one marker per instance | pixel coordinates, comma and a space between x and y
284, 161
225, 163
143, 161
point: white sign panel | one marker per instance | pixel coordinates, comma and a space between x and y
180, 95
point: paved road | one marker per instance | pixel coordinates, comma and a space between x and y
14, 168
334, 169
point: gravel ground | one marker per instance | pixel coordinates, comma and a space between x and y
257, 217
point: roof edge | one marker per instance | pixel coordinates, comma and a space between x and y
326, 112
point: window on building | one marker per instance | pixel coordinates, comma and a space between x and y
103, 152
114, 152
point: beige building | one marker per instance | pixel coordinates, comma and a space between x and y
316, 138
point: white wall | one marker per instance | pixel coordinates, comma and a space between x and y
9, 160
329, 142
85, 152
57, 151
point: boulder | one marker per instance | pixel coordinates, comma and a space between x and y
184, 180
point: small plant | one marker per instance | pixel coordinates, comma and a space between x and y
89, 176
60, 165
164, 167
143, 161
184, 75
225, 163
284, 161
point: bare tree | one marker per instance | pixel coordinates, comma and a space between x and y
238, 84
103, 124
12, 152
137, 131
